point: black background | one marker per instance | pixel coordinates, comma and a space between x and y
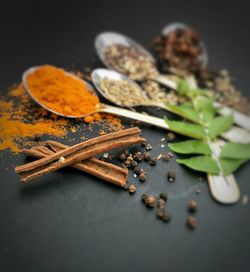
72, 222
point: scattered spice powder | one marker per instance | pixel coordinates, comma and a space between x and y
21, 121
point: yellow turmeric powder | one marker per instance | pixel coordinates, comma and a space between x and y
62, 92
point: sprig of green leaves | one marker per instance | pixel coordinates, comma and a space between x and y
205, 126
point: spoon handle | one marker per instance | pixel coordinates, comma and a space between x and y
223, 188
159, 122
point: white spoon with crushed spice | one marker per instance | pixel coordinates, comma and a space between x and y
125, 92
104, 40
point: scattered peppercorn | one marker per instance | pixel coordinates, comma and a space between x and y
126, 151
152, 161
163, 215
133, 164
122, 157
126, 164
192, 222
138, 156
163, 196
131, 189
143, 144
167, 157
148, 147
192, 206
161, 203
146, 156
130, 158
198, 191
171, 175
142, 177
170, 137
138, 170
149, 200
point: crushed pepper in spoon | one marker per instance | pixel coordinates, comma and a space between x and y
130, 61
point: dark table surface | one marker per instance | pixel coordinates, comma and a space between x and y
69, 221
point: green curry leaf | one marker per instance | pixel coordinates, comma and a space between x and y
190, 147
219, 125
235, 151
187, 129
201, 163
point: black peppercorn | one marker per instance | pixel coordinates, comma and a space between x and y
149, 200
126, 163
146, 156
122, 157
138, 170
142, 177
131, 189
163, 215
133, 164
126, 151
152, 161
143, 144
192, 206
148, 147
171, 175
192, 222
167, 157
160, 203
170, 137
163, 196
138, 156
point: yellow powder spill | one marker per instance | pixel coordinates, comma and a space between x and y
20, 120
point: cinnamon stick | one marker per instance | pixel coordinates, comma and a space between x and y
79, 152
103, 170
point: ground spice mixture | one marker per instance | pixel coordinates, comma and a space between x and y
62, 92
130, 61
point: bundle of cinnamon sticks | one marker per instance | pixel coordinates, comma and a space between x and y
55, 156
